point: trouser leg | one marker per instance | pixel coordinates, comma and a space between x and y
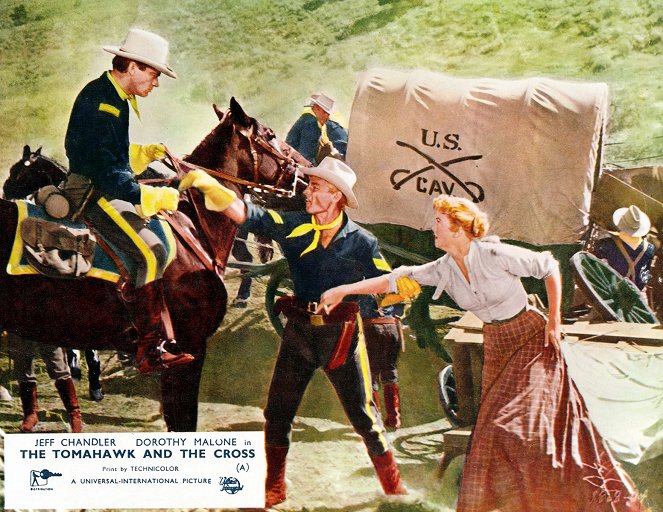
291, 376
351, 382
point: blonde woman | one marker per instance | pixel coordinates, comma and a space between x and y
533, 446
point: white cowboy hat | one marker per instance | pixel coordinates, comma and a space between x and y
338, 174
631, 221
145, 47
323, 101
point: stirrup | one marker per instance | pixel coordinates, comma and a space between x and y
165, 355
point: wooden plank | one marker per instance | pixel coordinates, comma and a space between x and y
645, 334
469, 326
456, 335
469, 322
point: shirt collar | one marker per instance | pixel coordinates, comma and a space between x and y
131, 98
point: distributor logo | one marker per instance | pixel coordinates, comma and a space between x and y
39, 478
230, 484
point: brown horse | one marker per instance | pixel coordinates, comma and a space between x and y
90, 313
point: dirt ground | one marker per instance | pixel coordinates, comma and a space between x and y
328, 468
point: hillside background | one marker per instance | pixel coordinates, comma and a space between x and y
272, 54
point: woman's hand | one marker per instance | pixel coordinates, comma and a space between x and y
331, 298
554, 332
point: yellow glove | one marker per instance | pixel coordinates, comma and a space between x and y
154, 199
142, 156
406, 289
217, 197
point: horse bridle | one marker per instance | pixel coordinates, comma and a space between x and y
283, 162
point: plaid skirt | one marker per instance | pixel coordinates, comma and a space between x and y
534, 447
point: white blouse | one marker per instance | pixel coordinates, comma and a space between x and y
494, 291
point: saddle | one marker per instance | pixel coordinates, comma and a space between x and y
57, 250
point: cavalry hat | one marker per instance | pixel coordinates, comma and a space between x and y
323, 101
145, 47
631, 221
338, 174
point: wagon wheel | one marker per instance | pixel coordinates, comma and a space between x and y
279, 284
613, 296
446, 393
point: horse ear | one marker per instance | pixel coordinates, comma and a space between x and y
26, 152
238, 113
218, 111
38, 152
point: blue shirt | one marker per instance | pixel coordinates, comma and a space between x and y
97, 140
606, 249
352, 255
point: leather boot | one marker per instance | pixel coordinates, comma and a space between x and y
392, 402
155, 351
68, 395
28, 393
275, 481
388, 473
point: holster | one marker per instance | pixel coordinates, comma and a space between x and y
345, 313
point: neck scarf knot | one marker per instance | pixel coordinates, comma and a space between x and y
302, 229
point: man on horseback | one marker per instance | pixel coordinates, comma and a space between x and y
318, 133
97, 145
324, 247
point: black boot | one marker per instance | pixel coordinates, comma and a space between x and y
28, 393
155, 352
67, 393
94, 375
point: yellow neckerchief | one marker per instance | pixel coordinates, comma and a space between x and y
324, 138
131, 98
302, 229
632, 241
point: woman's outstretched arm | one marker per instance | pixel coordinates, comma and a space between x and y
332, 297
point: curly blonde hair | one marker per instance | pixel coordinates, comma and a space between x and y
463, 214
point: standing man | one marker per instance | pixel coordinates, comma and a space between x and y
324, 248
314, 132
97, 145
23, 352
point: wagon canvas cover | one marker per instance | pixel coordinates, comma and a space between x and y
525, 150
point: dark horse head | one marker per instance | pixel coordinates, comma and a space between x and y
252, 152
30, 173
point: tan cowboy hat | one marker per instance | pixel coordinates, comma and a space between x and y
323, 101
145, 47
631, 221
338, 174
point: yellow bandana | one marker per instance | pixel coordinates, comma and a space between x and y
324, 138
130, 98
302, 229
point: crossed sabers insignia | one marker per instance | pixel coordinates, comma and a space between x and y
442, 166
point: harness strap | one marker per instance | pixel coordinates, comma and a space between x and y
191, 241
630, 262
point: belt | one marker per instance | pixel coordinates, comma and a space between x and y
296, 309
346, 313
507, 320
